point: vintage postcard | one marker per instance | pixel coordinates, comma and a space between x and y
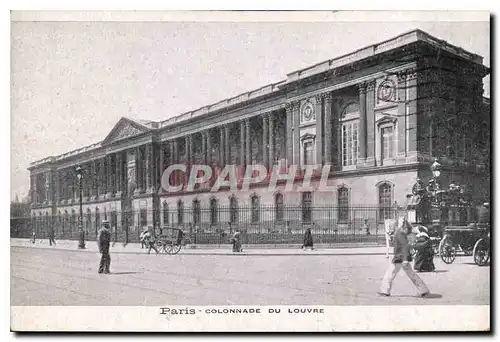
250, 171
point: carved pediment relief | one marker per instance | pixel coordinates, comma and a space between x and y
124, 129
386, 118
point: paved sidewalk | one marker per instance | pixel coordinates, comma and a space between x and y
223, 249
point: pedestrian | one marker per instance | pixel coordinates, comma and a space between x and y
103, 240
141, 237
33, 236
149, 240
484, 214
235, 240
424, 258
308, 239
402, 259
52, 236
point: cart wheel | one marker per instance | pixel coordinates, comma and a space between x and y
169, 248
447, 251
175, 248
481, 252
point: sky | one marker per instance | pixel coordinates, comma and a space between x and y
72, 81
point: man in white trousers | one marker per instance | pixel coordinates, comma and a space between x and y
402, 259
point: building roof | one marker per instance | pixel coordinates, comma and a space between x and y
358, 55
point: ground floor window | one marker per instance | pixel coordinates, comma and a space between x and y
306, 207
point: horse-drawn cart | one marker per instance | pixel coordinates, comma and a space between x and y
462, 239
170, 241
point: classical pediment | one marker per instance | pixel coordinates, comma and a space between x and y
125, 128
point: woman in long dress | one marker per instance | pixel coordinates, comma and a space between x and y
424, 258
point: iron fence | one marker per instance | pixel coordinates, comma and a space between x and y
214, 225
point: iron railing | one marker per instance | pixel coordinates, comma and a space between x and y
261, 224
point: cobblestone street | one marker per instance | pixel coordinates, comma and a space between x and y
64, 277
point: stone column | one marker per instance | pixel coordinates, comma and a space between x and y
328, 129
209, 147
162, 161
204, 147
190, 151
109, 175
265, 140
119, 179
370, 124
411, 115
58, 186
227, 146
296, 134
289, 134
242, 143
248, 150
93, 177
138, 168
149, 167
319, 129
401, 96
362, 123
221, 147
271, 134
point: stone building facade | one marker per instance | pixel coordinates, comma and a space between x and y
379, 116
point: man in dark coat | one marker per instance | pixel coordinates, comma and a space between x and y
484, 214
52, 236
103, 241
308, 239
424, 259
402, 259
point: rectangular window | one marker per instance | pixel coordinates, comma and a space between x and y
165, 214
306, 207
255, 209
350, 148
385, 202
308, 153
343, 204
144, 218
387, 134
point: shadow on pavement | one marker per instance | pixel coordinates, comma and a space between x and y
439, 271
121, 273
429, 296
473, 263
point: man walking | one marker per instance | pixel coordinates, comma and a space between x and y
103, 240
402, 259
52, 236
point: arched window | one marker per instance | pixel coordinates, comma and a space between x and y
214, 212
279, 207
255, 207
350, 129
307, 207
196, 212
180, 212
343, 203
385, 201
233, 207
165, 214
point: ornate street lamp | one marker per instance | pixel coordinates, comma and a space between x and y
81, 243
436, 169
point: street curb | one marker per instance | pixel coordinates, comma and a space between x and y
210, 253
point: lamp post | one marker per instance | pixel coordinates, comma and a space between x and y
81, 243
436, 170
